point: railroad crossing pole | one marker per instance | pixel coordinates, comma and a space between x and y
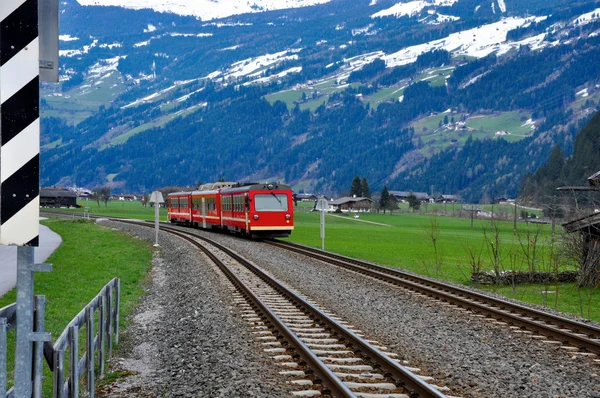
19, 162
157, 199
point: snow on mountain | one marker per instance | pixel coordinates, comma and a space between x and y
411, 8
206, 9
477, 42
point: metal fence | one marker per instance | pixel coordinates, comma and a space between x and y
7, 323
107, 305
64, 357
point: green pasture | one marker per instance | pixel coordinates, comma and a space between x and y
405, 241
383, 95
159, 122
116, 208
89, 257
436, 139
437, 76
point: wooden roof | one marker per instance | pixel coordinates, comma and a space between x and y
589, 223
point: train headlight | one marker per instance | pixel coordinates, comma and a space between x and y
287, 216
255, 216
270, 186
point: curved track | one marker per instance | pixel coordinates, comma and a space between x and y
562, 330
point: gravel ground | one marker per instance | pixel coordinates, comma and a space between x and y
473, 357
187, 337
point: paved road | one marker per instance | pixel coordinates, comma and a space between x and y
49, 241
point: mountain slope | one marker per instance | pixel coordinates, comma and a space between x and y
317, 95
561, 171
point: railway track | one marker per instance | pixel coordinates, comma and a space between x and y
575, 336
323, 356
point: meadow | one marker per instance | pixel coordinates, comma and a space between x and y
88, 258
436, 245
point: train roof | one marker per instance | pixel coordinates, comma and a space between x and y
257, 187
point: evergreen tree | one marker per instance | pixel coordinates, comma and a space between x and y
366, 191
356, 189
413, 202
384, 201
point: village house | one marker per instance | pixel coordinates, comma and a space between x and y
351, 204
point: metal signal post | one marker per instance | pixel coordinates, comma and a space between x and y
19, 165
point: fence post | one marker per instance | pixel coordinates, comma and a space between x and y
117, 311
102, 331
109, 319
3, 343
59, 373
38, 345
90, 349
74, 362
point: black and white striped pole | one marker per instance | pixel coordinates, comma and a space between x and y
19, 169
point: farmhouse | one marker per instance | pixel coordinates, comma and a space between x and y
346, 204
57, 197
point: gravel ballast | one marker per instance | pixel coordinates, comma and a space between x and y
187, 337
472, 356
191, 340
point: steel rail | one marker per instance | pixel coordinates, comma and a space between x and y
579, 334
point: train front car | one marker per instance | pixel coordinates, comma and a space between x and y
258, 210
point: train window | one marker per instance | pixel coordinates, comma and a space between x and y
271, 202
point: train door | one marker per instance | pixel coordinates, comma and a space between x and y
204, 212
246, 205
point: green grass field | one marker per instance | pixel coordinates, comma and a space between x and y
88, 258
404, 240
436, 139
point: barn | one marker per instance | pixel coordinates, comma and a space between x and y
57, 197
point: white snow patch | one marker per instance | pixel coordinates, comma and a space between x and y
266, 79
477, 8
187, 96
477, 42
529, 122
84, 50
111, 46
103, 67
206, 9
583, 93
151, 28
142, 43
411, 8
588, 17
502, 5
230, 48
67, 38
175, 34
255, 65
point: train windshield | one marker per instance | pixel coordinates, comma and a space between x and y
271, 202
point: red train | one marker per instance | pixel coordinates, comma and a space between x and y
253, 210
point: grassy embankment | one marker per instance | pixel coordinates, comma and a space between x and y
88, 258
405, 241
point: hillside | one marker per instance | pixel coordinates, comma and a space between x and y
319, 94
561, 171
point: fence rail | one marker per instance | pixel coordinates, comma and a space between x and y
100, 336
107, 305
